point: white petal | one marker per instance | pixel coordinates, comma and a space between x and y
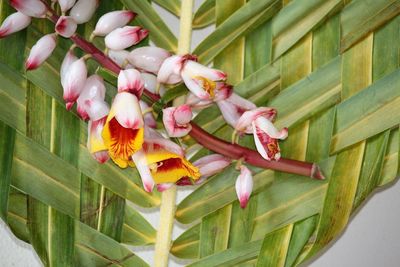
193, 68
194, 86
66, 5
148, 58
83, 10
269, 128
249, 116
196, 102
211, 164
149, 120
150, 82
130, 81
173, 128
41, 51
14, 23
119, 56
241, 102
127, 111
113, 20
66, 64
229, 112
244, 186
66, 26
139, 158
183, 114
74, 81
260, 147
170, 70
31, 8
122, 38
96, 109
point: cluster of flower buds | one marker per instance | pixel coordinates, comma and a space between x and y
127, 132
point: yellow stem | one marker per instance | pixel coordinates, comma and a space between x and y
168, 198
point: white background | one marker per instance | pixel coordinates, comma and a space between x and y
371, 239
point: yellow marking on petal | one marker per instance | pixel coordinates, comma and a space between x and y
208, 85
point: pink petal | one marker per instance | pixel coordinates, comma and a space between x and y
139, 158
31, 8
101, 156
269, 128
127, 111
267, 146
172, 126
244, 186
41, 51
195, 86
130, 81
125, 37
74, 80
193, 68
66, 64
183, 115
170, 70
66, 5
239, 101
66, 26
83, 10
164, 187
196, 102
154, 141
229, 112
148, 58
249, 116
113, 20
223, 91
212, 164
14, 23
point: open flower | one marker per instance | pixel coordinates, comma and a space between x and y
125, 37
74, 81
171, 68
130, 81
41, 51
95, 143
244, 186
113, 20
31, 8
123, 131
177, 120
259, 122
83, 10
222, 92
148, 58
66, 26
14, 23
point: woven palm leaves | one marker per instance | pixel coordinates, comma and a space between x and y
330, 67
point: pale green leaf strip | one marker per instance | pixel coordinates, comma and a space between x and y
186, 246
240, 23
173, 6
136, 230
160, 34
205, 15
17, 214
369, 105
362, 17
316, 92
390, 169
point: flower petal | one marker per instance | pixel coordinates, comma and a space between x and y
119, 56
83, 10
211, 164
269, 128
66, 64
170, 70
113, 20
177, 120
229, 112
244, 186
66, 5
139, 158
148, 58
130, 81
149, 120
96, 108
150, 82
74, 80
41, 51
127, 111
66, 26
251, 115
193, 68
31, 8
125, 37
163, 187
14, 23
95, 142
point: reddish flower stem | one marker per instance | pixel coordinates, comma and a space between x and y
207, 140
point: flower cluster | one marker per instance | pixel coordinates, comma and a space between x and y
127, 130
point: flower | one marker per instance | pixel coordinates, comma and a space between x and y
211, 164
94, 90
66, 5
123, 131
66, 64
41, 51
83, 10
113, 20
74, 80
31, 8
125, 37
177, 120
95, 143
148, 58
244, 186
222, 92
170, 70
233, 107
259, 122
14, 23
130, 81
66, 26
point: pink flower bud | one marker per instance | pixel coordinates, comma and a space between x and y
14, 23
125, 37
41, 51
244, 186
177, 120
66, 26
148, 58
119, 56
31, 8
83, 10
94, 90
66, 64
74, 81
211, 164
130, 81
66, 5
113, 20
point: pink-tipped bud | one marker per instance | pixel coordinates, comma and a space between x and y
74, 81
41, 51
177, 120
113, 20
94, 90
211, 164
125, 37
130, 81
31, 8
66, 64
164, 187
83, 10
148, 58
14, 23
244, 186
66, 5
66, 26
119, 56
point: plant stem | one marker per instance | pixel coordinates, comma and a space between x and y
168, 199
202, 137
